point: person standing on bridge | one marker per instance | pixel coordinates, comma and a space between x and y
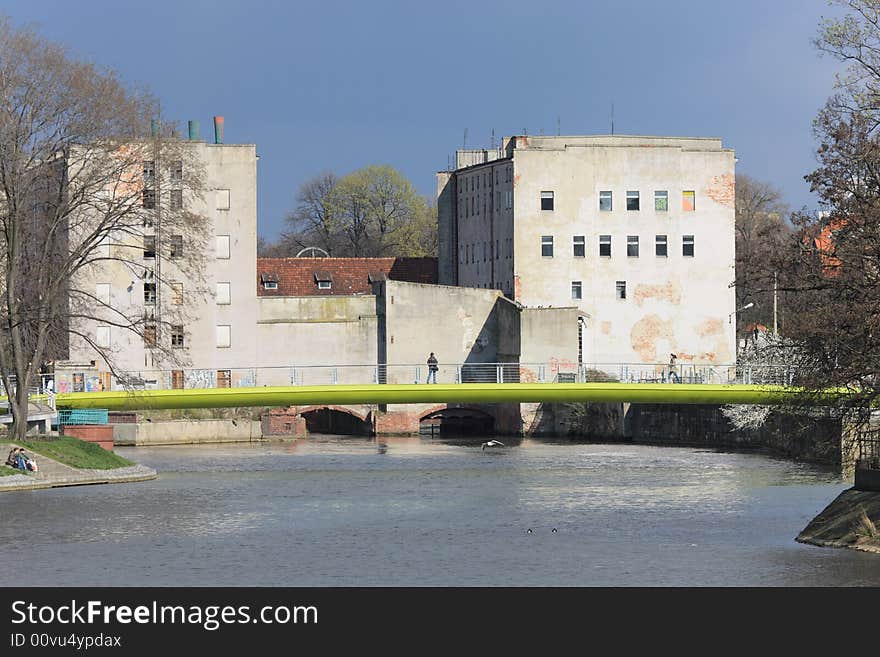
432, 368
673, 375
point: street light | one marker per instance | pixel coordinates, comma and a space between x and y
745, 307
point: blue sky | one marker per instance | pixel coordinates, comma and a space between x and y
334, 85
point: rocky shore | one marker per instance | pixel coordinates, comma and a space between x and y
852, 520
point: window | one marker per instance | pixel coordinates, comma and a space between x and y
149, 246
224, 378
605, 246
605, 201
149, 335
632, 200
546, 200
177, 336
269, 281
324, 280
177, 379
150, 293
176, 249
547, 246
224, 335
222, 199
223, 246
632, 246
176, 199
102, 293
688, 201
497, 249
687, 245
660, 245
102, 336
661, 201
325, 285
149, 170
621, 289
175, 171
579, 246
224, 294
575, 289
176, 294
484, 252
149, 200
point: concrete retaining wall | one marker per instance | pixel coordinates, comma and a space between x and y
181, 432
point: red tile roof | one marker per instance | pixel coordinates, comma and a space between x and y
298, 277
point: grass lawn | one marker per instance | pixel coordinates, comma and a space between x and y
6, 470
75, 453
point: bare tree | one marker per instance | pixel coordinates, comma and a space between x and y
87, 183
313, 222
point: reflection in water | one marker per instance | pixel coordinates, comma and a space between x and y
414, 511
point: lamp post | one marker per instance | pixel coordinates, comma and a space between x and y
745, 307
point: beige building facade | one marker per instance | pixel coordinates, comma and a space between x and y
636, 232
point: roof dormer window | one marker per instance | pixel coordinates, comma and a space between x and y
324, 280
269, 281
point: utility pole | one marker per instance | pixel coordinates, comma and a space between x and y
774, 303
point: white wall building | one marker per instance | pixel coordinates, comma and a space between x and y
637, 232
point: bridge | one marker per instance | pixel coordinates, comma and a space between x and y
475, 393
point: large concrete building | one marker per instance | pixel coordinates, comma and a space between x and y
636, 232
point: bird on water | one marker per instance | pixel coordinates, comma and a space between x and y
492, 443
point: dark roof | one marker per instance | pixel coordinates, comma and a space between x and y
298, 277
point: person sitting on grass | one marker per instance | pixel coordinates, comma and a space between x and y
11, 459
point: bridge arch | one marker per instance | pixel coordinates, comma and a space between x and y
336, 419
457, 420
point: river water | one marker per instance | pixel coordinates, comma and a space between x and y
342, 511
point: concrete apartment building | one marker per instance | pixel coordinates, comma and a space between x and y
217, 312
637, 233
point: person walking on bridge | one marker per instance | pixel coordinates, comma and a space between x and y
673, 375
432, 368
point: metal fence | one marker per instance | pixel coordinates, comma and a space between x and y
868, 449
548, 372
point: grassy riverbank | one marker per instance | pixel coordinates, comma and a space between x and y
75, 453
5, 470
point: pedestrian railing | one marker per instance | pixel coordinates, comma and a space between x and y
548, 372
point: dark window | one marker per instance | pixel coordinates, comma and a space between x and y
575, 289
224, 378
149, 246
176, 246
687, 245
176, 336
547, 246
149, 335
632, 246
150, 293
546, 200
176, 199
150, 199
605, 245
605, 201
660, 245
621, 289
177, 379
632, 200
149, 170
176, 170
579, 246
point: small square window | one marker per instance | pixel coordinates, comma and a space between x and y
661, 201
579, 246
575, 289
177, 336
176, 246
149, 199
632, 246
605, 246
687, 246
224, 294
547, 246
546, 200
632, 200
150, 293
149, 246
605, 201
176, 294
224, 378
224, 336
325, 285
621, 289
660, 245
149, 170
177, 379
222, 199
688, 201
176, 202
176, 170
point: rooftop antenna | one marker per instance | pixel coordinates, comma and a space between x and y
493, 138
464, 145
525, 131
612, 117
558, 122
